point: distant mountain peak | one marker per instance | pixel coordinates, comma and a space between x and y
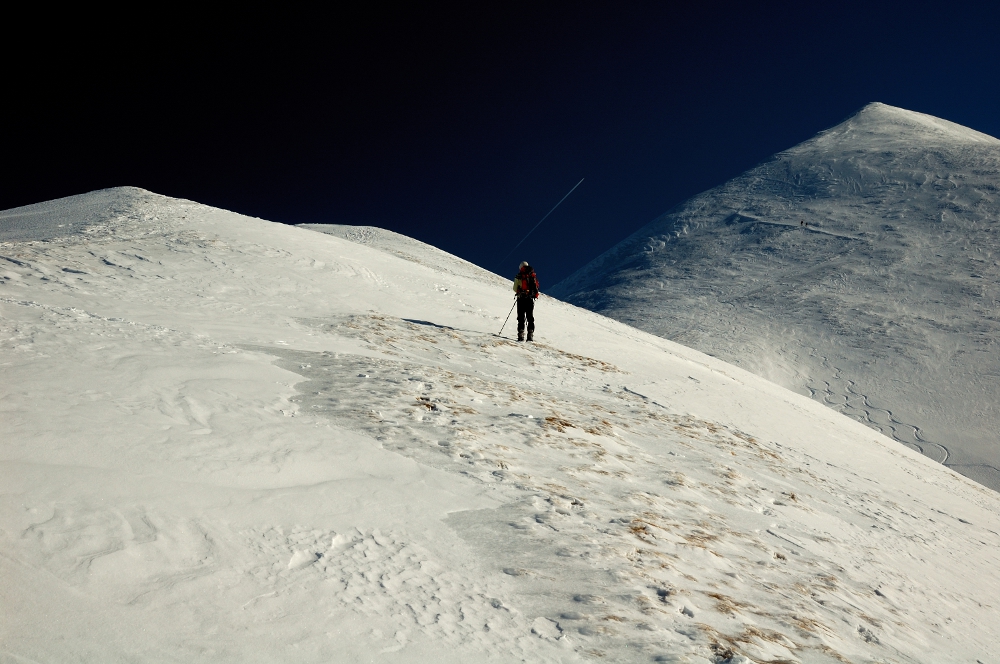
860, 267
878, 126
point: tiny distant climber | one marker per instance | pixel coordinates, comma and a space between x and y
526, 290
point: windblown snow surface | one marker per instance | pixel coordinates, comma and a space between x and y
227, 440
859, 267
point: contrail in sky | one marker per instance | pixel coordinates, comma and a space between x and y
543, 219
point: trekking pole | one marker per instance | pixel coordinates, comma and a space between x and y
508, 316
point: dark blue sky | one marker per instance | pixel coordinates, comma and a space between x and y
462, 127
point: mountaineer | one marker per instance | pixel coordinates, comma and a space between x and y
526, 289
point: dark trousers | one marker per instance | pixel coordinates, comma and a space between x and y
525, 310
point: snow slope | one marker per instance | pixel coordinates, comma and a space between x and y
226, 440
884, 306
409, 249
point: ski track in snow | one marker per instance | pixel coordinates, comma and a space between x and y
270, 444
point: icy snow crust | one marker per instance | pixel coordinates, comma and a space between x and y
883, 307
226, 440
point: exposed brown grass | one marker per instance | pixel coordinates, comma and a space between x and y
699, 538
602, 428
809, 625
558, 423
726, 604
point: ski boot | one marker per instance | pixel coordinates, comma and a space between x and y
520, 336
531, 335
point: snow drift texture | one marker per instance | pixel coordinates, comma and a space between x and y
226, 440
859, 267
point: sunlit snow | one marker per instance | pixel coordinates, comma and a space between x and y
227, 440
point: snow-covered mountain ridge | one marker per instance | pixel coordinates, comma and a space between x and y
859, 267
231, 440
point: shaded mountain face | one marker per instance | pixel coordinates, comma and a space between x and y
859, 267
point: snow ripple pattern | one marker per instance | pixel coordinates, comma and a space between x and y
598, 552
